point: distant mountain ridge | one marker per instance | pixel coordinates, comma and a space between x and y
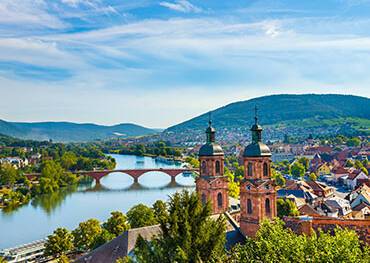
71, 132
277, 109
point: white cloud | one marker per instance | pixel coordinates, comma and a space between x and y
27, 13
181, 6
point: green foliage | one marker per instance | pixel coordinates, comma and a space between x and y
278, 177
116, 224
313, 177
2, 260
158, 148
102, 238
86, 233
234, 189
141, 215
290, 110
8, 174
63, 259
160, 210
275, 243
305, 162
286, 208
68, 160
298, 170
354, 142
188, 233
60, 242
192, 161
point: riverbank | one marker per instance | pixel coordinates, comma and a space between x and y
68, 206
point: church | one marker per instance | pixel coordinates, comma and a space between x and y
257, 189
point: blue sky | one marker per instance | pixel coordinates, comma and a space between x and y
158, 63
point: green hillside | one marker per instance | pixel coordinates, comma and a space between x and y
70, 132
302, 110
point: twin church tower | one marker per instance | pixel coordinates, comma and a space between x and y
257, 189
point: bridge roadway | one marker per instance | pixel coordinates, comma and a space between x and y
134, 173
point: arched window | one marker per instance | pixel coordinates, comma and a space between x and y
250, 169
267, 206
219, 200
204, 199
218, 167
265, 170
249, 206
204, 167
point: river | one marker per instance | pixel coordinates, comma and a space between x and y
68, 207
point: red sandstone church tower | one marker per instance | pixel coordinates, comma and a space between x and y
212, 185
257, 189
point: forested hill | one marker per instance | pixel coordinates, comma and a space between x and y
309, 109
70, 132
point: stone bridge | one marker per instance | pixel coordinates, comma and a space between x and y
134, 173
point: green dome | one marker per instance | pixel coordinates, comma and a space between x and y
211, 149
257, 149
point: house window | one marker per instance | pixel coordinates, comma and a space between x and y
265, 170
218, 167
250, 169
219, 200
204, 167
204, 199
267, 206
249, 206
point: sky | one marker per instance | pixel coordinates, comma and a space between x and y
158, 63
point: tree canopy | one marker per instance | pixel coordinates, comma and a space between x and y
188, 233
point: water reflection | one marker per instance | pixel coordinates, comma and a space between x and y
137, 187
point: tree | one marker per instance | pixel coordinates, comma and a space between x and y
275, 243
279, 178
354, 142
8, 174
63, 259
313, 177
349, 163
86, 233
286, 208
102, 238
116, 224
160, 210
298, 170
2, 260
60, 242
188, 233
141, 215
68, 160
192, 161
305, 162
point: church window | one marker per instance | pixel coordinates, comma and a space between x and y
219, 200
250, 169
204, 199
218, 167
249, 206
265, 170
204, 167
267, 206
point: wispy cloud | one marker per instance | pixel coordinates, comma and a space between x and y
181, 6
28, 13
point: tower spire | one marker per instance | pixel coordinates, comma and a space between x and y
256, 114
210, 130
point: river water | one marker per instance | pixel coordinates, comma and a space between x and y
70, 206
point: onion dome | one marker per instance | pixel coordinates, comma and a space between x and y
257, 148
